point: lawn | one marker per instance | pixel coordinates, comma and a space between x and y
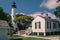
33, 39
24, 38
27, 38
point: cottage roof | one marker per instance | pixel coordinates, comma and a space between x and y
3, 24
50, 19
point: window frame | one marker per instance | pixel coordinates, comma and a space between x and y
37, 25
54, 25
58, 25
48, 24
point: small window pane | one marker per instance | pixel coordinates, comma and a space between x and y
48, 25
37, 25
59, 25
54, 25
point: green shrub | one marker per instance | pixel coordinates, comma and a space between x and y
41, 34
11, 31
33, 33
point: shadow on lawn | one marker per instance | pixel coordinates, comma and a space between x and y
17, 39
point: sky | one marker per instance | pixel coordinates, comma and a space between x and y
30, 6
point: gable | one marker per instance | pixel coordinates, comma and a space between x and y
38, 18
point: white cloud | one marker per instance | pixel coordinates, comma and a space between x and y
51, 4
21, 13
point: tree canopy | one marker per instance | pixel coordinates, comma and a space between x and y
23, 17
57, 10
5, 16
2, 14
23, 21
58, 1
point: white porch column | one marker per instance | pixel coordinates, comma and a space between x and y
44, 33
18, 32
37, 33
52, 25
57, 26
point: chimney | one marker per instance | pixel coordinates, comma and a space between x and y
46, 15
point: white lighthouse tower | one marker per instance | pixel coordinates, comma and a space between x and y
13, 15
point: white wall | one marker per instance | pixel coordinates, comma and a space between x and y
38, 19
43, 26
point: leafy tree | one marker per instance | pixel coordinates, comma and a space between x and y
2, 14
58, 1
5, 16
23, 21
17, 15
9, 19
57, 11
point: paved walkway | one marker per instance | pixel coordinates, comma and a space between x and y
49, 38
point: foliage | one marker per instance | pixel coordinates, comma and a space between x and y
9, 19
2, 14
23, 21
57, 11
17, 15
11, 31
5, 16
58, 1
23, 17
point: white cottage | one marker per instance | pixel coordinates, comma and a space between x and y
3, 30
45, 25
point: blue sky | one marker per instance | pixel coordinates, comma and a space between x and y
25, 6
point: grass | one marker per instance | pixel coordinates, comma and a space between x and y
15, 37
33, 39
27, 38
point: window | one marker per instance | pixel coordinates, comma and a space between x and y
48, 25
58, 25
54, 25
37, 25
